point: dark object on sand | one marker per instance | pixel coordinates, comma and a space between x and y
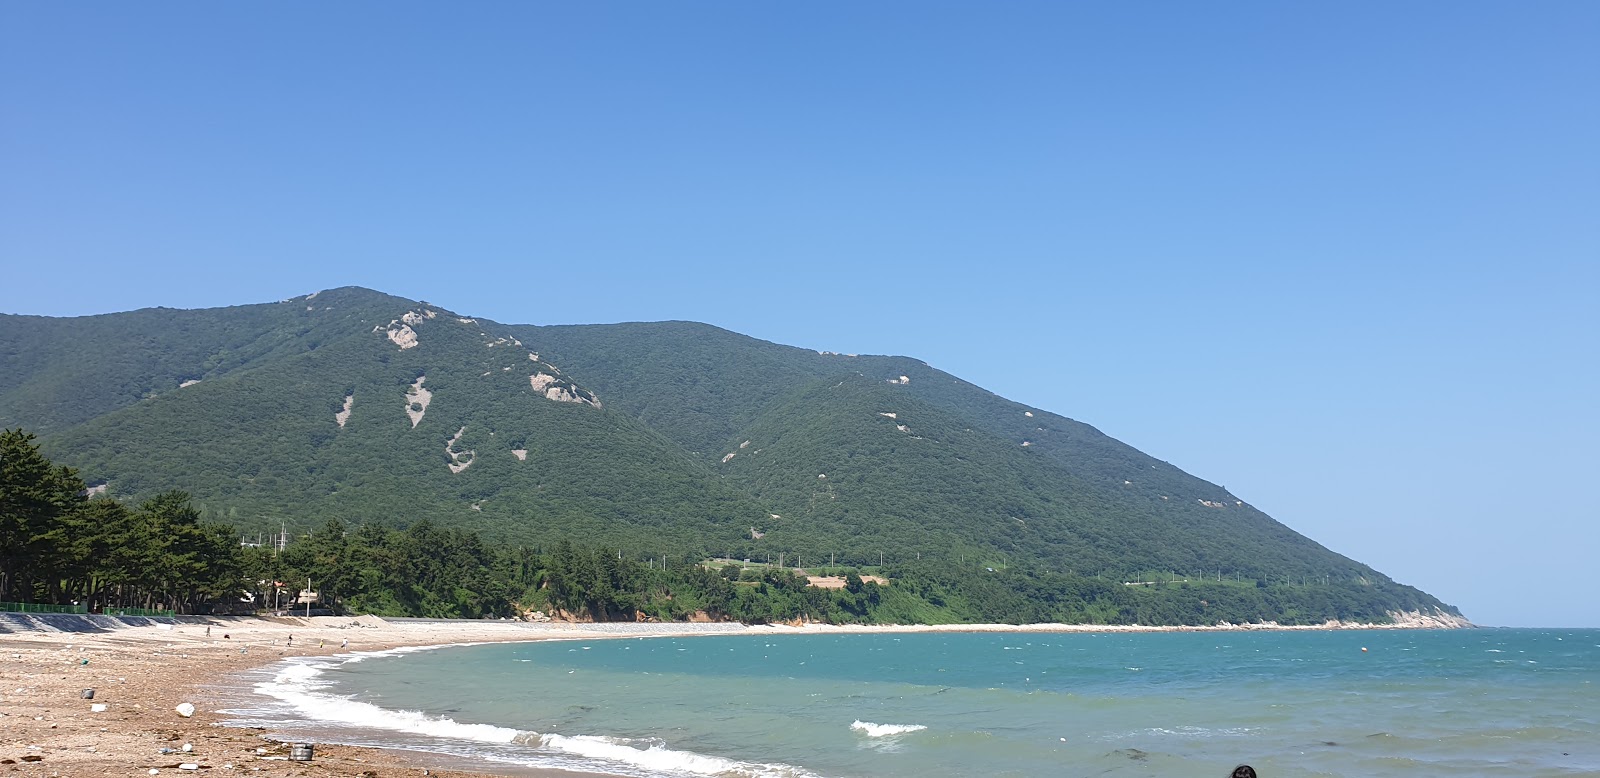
1243, 771
88, 694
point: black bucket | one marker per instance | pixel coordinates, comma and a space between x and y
300, 752
88, 694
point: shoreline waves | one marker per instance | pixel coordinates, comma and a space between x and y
142, 671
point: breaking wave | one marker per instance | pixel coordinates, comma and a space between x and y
884, 730
300, 685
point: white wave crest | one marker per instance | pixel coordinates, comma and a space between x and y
298, 683
884, 730
657, 759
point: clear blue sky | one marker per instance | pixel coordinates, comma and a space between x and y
1343, 258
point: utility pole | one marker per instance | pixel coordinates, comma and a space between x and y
308, 597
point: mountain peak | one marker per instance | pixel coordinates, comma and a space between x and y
356, 404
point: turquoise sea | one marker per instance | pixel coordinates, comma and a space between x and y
1504, 702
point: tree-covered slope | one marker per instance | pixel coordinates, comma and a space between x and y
969, 470
61, 372
447, 419
651, 438
694, 383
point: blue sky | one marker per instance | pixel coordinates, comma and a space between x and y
1341, 258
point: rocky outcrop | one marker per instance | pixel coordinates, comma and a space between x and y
417, 399
1436, 620
344, 415
560, 390
459, 460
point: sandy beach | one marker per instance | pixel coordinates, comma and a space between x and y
140, 674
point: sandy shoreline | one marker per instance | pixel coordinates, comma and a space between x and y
140, 673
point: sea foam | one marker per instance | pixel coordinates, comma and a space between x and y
300, 685
884, 730
656, 759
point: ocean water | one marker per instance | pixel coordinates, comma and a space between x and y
1377, 703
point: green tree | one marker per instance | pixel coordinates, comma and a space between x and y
34, 498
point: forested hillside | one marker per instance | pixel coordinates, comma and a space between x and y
59, 547
911, 451
674, 438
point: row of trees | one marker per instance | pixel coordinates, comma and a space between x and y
58, 546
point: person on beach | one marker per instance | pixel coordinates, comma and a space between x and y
345, 643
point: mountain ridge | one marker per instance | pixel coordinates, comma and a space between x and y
355, 404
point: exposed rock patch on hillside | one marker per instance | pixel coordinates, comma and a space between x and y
400, 330
417, 399
561, 390
459, 460
344, 415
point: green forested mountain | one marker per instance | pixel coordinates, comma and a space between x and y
660, 438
